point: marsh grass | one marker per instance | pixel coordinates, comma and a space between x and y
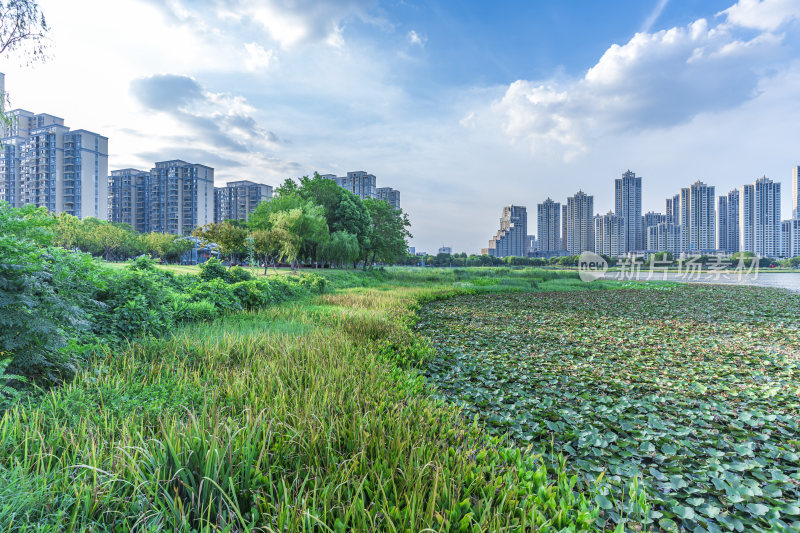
304, 416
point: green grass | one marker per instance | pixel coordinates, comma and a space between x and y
305, 416
692, 390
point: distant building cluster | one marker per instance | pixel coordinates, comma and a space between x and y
696, 221
364, 185
44, 163
173, 197
238, 199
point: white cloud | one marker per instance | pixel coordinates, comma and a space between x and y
468, 121
287, 22
257, 57
653, 16
766, 15
655, 80
416, 38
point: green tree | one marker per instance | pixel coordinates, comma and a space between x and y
266, 245
388, 233
260, 219
344, 211
228, 237
296, 227
23, 29
342, 248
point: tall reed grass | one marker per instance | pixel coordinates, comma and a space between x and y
307, 416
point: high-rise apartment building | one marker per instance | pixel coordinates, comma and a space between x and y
549, 226
128, 199
531, 246
628, 204
238, 199
181, 197
698, 220
673, 210
796, 192
360, 183
388, 195
610, 234
45, 164
651, 218
512, 237
760, 218
580, 223
174, 197
790, 235
728, 226
563, 227
664, 237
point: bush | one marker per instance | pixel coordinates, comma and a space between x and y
187, 311
212, 269
138, 302
237, 274
252, 294
218, 292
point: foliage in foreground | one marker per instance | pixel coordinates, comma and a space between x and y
58, 308
694, 390
295, 417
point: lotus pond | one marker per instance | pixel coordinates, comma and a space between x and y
691, 391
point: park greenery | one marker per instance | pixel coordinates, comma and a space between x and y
139, 396
225, 400
692, 391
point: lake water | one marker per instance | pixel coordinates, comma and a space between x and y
788, 280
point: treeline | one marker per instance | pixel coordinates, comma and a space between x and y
314, 221
474, 260
116, 242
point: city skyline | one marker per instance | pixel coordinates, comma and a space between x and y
417, 94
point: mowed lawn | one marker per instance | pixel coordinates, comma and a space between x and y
691, 391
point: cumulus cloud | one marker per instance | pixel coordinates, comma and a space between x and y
416, 38
765, 15
257, 57
655, 80
287, 22
220, 120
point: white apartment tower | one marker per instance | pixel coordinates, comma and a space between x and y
610, 234
45, 164
628, 204
728, 226
549, 226
512, 238
760, 218
698, 220
580, 223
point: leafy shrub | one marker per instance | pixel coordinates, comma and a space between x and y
218, 292
188, 311
212, 269
252, 294
143, 262
237, 274
315, 282
45, 298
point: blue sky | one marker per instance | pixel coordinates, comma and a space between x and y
463, 106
